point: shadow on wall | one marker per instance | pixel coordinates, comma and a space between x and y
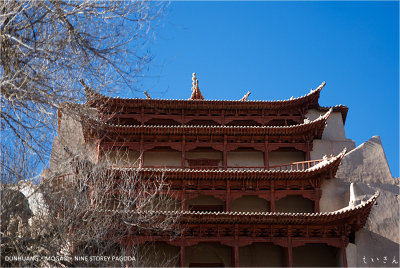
380, 252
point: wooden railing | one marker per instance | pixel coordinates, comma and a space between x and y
302, 165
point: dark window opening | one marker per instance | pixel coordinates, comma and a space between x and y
352, 237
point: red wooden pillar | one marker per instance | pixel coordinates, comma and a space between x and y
183, 155
183, 196
224, 156
272, 197
290, 252
236, 247
228, 196
182, 256
236, 255
344, 255
142, 116
266, 156
316, 199
308, 155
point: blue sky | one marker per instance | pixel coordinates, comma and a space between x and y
281, 49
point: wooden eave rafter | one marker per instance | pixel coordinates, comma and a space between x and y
315, 127
310, 101
356, 216
329, 167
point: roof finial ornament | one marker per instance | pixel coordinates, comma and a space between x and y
321, 86
147, 95
245, 96
196, 94
195, 82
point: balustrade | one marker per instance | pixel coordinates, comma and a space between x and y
295, 166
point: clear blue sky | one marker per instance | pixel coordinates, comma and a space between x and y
282, 49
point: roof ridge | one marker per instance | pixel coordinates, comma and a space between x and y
90, 92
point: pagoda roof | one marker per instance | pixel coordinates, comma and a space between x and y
316, 126
211, 174
359, 212
95, 99
196, 101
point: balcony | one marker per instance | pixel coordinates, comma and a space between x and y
295, 166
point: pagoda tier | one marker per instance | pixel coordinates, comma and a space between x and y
205, 112
238, 229
229, 185
220, 138
147, 137
351, 217
316, 127
293, 171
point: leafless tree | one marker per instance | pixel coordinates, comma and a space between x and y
47, 47
93, 209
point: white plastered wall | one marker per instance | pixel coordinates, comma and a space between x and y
294, 203
162, 159
250, 203
123, 157
245, 159
280, 158
334, 130
333, 139
325, 147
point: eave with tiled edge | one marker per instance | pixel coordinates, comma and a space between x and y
95, 99
316, 126
359, 213
330, 167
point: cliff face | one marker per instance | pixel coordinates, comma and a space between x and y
377, 244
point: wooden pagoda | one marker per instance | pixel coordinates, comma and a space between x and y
209, 139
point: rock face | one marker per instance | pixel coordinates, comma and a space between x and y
377, 244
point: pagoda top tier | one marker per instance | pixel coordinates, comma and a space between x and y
196, 101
